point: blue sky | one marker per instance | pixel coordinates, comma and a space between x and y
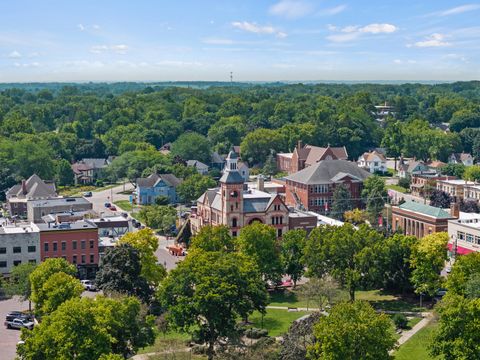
117, 40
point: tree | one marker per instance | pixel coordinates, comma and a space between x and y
19, 281
472, 173
209, 291
194, 186
121, 272
375, 193
472, 286
85, 328
458, 332
427, 260
441, 199
299, 338
41, 275
59, 288
453, 170
192, 146
293, 243
162, 200
355, 216
259, 243
342, 201
159, 217
344, 253
213, 238
469, 206
464, 268
63, 173
322, 292
352, 331
270, 166
258, 144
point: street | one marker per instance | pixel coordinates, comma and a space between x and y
99, 198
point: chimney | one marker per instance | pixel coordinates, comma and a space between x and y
24, 187
299, 144
455, 210
260, 183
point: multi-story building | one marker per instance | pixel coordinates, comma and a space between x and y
235, 205
308, 155
373, 161
455, 188
36, 209
464, 234
312, 188
423, 184
110, 230
471, 192
33, 188
150, 188
19, 244
417, 219
76, 242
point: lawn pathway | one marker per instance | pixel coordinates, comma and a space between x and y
406, 335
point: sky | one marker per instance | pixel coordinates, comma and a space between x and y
255, 40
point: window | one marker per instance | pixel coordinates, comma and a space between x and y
83, 259
92, 259
234, 233
32, 261
45, 247
469, 238
17, 249
32, 248
83, 244
55, 246
91, 244
74, 259
74, 244
17, 262
64, 246
3, 250
279, 232
273, 220
460, 235
234, 222
3, 264
281, 219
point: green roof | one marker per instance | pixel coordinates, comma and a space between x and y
425, 209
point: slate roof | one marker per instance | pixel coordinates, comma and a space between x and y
231, 177
36, 188
151, 181
327, 171
425, 210
196, 163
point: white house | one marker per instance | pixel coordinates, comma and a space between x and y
201, 167
461, 158
373, 162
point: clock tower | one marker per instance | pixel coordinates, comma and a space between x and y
231, 187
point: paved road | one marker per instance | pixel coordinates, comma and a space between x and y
397, 195
9, 338
99, 198
163, 256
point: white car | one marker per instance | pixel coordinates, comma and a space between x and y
19, 323
88, 285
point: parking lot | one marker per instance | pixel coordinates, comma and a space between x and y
9, 337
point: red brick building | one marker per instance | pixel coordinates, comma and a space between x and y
312, 188
76, 242
308, 155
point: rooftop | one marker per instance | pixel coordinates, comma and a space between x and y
426, 210
60, 201
18, 229
457, 182
77, 225
470, 220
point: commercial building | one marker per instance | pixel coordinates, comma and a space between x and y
422, 184
312, 188
110, 230
464, 234
417, 219
36, 209
19, 244
454, 188
76, 242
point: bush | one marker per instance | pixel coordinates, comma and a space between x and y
404, 182
400, 321
99, 183
255, 333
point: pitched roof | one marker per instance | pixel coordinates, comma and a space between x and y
152, 180
95, 163
217, 158
461, 156
436, 164
231, 177
425, 210
312, 154
196, 163
327, 171
370, 156
35, 188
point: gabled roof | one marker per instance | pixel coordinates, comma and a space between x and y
152, 180
95, 163
35, 188
425, 210
217, 158
312, 154
370, 156
196, 163
461, 156
328, 171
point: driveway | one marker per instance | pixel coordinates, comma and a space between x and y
9, 338
99, 198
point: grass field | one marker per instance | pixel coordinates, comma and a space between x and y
275, 321
124, 205
417, 347
397, 188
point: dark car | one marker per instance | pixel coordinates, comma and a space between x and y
107, 205
12, 315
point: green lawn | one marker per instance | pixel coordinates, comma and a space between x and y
417, 347
124, 205
275, 321
397, 188
169, 341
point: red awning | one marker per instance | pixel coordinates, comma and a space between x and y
460, 250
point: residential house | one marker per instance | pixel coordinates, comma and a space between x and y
87, 171
218, 161
454, 188
418, 219
414, 167
235, 205
166, 148
373, 161
312, 188
308, 155
19, 244
201, 167
33, 188
383, 111
436, 166
150, 188
461, 158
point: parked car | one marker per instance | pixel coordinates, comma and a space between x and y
87, 194
12, 315
113, 208
125, 215
19, 323
88, 285
107, 205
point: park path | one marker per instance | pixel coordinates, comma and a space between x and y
406, 335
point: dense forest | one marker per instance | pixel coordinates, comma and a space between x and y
45, 127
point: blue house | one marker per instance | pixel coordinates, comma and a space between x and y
148, 189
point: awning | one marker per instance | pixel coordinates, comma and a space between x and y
460, 250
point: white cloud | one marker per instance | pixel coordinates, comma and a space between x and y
291, 9
333, 11
400, 62
119, 49
95, 27
14, 55
352, 32
456, 57
258, 29
460, 9
81, 27
27, 65
434, 40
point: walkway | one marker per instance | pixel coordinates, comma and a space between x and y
406, 335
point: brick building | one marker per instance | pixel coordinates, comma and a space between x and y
312, 188
419, 219
422, 184
77, 242
308, 155
455, 188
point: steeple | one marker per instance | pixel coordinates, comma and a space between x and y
230, 173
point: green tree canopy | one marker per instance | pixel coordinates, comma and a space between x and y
292, 247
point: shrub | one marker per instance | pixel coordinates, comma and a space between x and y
255, 333
400, 321
404, 182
